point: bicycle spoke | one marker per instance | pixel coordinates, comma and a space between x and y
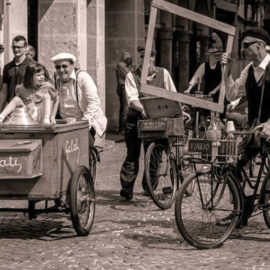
200, 216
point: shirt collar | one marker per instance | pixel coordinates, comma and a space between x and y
25, 61
73, 75
264, 62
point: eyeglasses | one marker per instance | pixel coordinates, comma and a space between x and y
61, 66
17, 47
246, 45
151, 56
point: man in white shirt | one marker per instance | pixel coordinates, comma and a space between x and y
253, 78
78, 95
254, 83
159, 77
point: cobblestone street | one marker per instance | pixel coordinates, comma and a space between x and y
125, 235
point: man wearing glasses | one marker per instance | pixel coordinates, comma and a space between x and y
254, 80
14, 71
78, 95
254, 84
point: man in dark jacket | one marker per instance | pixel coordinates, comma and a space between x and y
254, 84
122, 69
14, 71
159, 77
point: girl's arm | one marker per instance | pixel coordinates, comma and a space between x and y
54, 110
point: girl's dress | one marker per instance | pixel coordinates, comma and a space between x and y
33, 99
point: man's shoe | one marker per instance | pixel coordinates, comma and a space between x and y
225, 221
126, 194
146, 193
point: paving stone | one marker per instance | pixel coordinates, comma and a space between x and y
125, 235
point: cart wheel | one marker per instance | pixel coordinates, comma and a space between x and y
82, 200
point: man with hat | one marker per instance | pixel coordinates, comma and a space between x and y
254, 84
158, 77
78, 95
211, 72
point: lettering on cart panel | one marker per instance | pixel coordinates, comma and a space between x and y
10, 164
72, 146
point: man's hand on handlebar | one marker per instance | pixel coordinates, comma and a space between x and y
266, 130
187, 91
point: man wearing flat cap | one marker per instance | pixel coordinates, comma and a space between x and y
210, 71
78, 95
254, 84
159, 77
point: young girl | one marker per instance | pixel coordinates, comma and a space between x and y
37, 94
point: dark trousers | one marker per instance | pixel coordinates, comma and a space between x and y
130, 167
123, 107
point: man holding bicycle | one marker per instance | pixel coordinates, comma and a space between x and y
254, 84
159, 77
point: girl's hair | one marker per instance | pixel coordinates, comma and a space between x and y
30, 71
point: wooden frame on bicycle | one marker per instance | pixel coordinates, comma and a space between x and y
196, 17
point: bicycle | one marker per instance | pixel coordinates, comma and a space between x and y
165, 165
201, 121
219, 194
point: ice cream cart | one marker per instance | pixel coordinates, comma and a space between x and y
51, 164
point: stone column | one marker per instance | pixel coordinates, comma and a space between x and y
62, 28
166, 38
204, 42
96, 47
183, 39
124, 32
15, 23
78, 27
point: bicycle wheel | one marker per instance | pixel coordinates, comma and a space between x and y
160, 173
199, 216
186, 168
82, 201
266, 200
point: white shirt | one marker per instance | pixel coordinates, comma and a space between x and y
132, 92
88, 100
237, 88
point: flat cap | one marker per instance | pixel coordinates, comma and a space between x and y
256, 32
141, 50
213, 50
64, 56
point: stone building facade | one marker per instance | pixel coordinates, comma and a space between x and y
96, 31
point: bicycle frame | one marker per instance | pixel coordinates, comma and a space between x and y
258, 193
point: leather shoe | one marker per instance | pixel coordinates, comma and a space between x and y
225, 221
124, 193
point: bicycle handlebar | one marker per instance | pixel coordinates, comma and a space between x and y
200, 95
248, 132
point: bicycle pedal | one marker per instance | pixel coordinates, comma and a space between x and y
167, 190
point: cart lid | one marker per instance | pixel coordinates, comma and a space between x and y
19, 145
156, 107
